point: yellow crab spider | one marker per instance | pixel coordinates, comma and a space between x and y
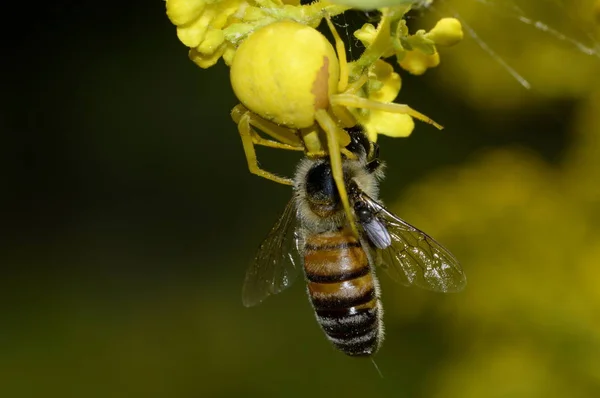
294, 88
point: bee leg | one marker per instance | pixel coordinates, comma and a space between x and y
334, 133
353, 101
248, 135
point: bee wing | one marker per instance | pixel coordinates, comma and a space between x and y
277, 262
415, 258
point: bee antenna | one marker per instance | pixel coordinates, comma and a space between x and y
377, 368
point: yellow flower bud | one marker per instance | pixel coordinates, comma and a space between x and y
213, 39
200, 26
193, 34
447, 32
366, 34
181, 12
206, 60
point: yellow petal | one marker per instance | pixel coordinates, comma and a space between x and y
417, 63
390, 124
212, 40
363, 120
366, 34
181, 12
384, 73
224, 9
371, 132
192, 34
447, 32
206, 61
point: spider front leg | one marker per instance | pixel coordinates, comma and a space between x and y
341, 112
340, 49
286, 139
334, 133
354, 101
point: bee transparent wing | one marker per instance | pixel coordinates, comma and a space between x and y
277, 262
413, 258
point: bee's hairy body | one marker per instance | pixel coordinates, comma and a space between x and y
341, 281
339, 261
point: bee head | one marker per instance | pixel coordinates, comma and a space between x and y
316, 191
321, 192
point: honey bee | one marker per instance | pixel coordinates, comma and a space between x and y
339, 267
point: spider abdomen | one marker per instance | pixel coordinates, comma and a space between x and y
284, 72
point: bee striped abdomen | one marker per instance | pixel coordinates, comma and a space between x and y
344, 292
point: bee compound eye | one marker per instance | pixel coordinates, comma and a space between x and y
320, 185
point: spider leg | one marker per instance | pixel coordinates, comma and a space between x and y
334, 133
353, 101
340, 48
250, 137
284, 138
258, 140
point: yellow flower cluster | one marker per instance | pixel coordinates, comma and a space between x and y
200, 26
214, 28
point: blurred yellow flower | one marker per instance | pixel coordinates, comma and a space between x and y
528, 235
553, 46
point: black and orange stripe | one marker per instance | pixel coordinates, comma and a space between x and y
344, 292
